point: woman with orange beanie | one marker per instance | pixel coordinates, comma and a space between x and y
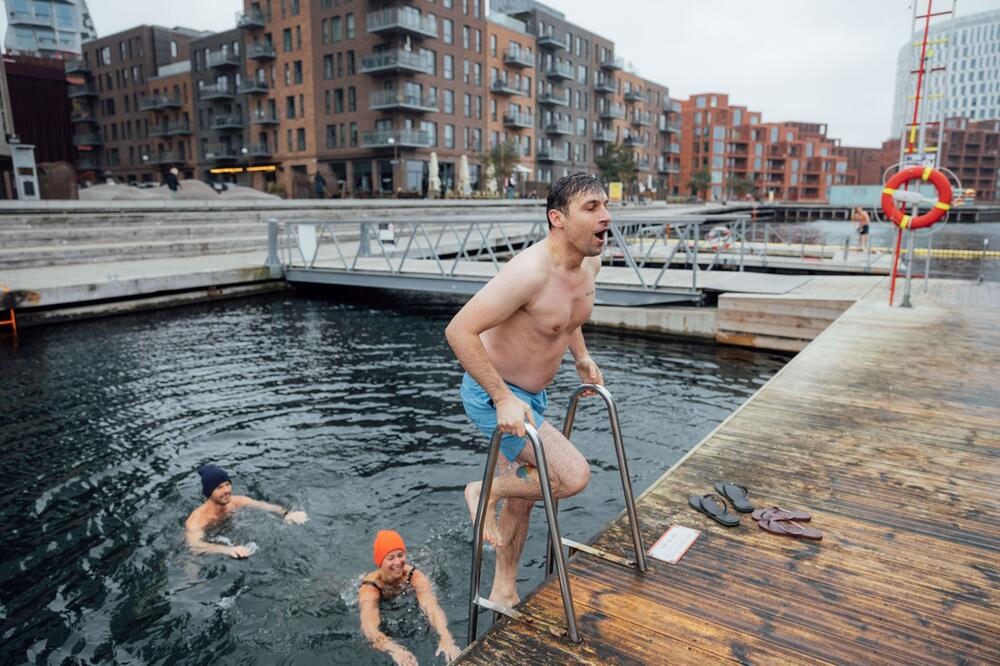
393, 578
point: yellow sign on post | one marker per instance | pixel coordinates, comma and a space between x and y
615, 192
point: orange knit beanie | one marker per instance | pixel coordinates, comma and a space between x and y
386, 542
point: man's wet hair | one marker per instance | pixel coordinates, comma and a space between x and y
566, 188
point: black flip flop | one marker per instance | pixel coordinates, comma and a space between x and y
715, 508
738, 495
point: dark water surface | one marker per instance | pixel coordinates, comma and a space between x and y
345, 410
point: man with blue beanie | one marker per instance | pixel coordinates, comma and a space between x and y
219, 504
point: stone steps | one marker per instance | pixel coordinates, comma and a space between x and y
84, 253
12, 238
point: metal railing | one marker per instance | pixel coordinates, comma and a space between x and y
647, 249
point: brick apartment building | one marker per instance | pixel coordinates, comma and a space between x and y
364, 95
791, 161
970, 149
108, 91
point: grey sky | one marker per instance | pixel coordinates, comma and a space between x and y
829, 61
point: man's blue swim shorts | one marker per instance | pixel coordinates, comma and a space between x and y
480, 409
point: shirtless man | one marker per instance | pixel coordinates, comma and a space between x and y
860, 217
219, 504
511, 338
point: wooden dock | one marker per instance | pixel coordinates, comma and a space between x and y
887, 429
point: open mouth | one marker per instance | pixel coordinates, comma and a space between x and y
602, 235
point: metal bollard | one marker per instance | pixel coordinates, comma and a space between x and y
273, 262
982, 261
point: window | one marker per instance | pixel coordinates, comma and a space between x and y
477, 74
447, 31
350, 26
466, 37
335, 28
467, 105
479, 40
350, 63
493, 45
431, 129
449, 136
448, 66
352, 99
298, 71
449, 101
338, 100
328, 66
290, 108
331, 136
294, 9
298, 37
173, 45
300, 138
430, 58
466, 69
106, 55
286, 39
354, 135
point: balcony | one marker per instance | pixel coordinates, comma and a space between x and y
85, 90
159, 102
636, 96
91, 139
259, 150
77, 66
166, 129
261, 51
222, 59
672, 149
642, 118
663, 166
395, 99
221, 152
251, 19
552, 154
252, 87
671, 106
504, 87
82, 117
559, 127
549, 41
642, 164
518, 57
612, 63
518, 119
263, 117
551, 98
230, 121
611, 111
604, 136
396, 61
606, 86
401, 138
559, 70
217, 91
401, 20
632, 140
166, 157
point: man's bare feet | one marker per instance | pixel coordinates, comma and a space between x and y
509, 600
490, 530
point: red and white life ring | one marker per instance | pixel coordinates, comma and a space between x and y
720, 237
937, 211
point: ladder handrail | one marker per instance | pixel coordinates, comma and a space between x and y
616, 434
477, 543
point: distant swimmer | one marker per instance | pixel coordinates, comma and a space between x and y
511, 338
219, 504
860, 217
395, 577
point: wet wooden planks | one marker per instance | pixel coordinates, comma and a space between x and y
887, 429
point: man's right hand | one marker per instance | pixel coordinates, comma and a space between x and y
239, 552
403, 657
511, 413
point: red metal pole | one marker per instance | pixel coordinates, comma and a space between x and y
895, 263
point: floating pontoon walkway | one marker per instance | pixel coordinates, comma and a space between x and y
887, 429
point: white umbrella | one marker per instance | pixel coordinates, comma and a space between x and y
433, 179
464, 181
491, 181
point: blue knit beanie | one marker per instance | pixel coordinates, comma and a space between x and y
212, 476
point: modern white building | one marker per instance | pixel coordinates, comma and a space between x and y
968, 87
47, 29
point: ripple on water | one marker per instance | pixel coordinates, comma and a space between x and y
348, 412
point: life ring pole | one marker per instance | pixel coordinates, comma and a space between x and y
895, 265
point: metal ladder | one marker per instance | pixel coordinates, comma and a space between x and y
555, 558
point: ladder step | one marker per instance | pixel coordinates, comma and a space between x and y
596, 552
519, 616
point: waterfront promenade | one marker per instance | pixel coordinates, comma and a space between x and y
886, 428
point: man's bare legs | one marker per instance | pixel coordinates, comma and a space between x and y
569, 473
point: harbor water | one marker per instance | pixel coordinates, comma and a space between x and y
346, 409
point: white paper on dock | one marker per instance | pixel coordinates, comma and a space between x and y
673, 544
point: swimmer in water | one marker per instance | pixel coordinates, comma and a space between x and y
219, 504
394, 577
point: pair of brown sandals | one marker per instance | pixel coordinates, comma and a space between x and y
786, 522
774, 519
